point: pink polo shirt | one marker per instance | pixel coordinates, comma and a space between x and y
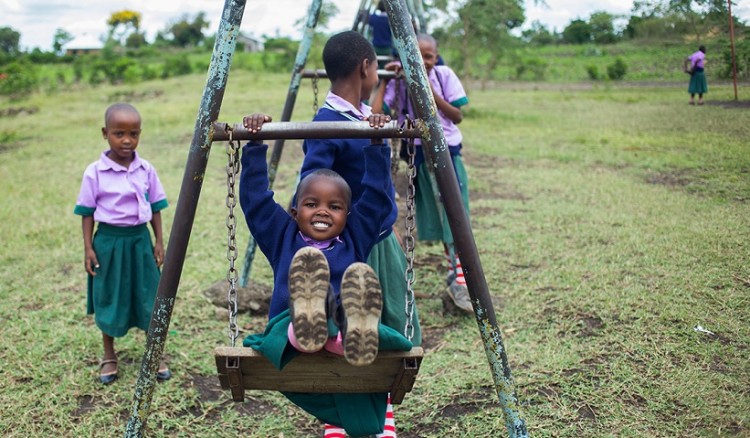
120, 196
446, 83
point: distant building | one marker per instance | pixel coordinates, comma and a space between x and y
82, 45
249, 44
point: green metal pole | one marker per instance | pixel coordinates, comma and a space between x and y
438, 158
192, 181
286, 115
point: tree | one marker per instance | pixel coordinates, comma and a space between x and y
602, 28
122, 23
186, 33
61, 38
9, 39
539, 35
577, 32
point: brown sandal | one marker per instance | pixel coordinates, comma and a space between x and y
107, 378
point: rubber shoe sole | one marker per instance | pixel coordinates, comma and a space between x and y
362, 301
309, 280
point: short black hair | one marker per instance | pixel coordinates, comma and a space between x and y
325, 173
116, 108
702, 48
344, 52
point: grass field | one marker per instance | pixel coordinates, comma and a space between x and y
611, 221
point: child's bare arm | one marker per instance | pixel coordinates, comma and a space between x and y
89, 255
158, 238
453, 113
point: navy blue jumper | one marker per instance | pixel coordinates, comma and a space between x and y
278, 236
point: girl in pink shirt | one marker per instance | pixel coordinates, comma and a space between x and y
121, 192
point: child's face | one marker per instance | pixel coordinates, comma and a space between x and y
122, 132
371, 78
429, 54
321, 209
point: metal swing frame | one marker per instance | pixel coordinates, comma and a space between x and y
436, 155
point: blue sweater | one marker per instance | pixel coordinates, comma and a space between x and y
277, 233
344, 156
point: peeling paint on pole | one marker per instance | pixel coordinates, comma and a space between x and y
438, 158
187, 203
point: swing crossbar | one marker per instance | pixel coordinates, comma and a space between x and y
303, 130
321, 74
241, 369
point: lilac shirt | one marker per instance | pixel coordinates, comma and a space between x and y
120, 196
697, 59
445, 82
338, 103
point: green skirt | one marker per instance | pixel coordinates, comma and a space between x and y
432, 222
388, 260
121, 294
698, 83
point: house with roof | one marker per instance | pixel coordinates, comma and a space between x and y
82, 45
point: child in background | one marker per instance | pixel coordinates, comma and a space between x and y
351, 66
449, 94
382, 39
122, 192
698, 84
324, 296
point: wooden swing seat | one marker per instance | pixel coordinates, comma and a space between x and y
242, 368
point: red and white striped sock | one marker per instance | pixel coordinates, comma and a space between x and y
332, 431
389, 428
449, 261
460, 273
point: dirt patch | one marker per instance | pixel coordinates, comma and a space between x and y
86, 404
590, 325
18, 111
677, 178
132, 96
730, 104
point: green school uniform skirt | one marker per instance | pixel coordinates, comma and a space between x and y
388, 260
698, 83
121, 294
432, 222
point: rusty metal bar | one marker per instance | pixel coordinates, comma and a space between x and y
286, 114
192, 182
302, 130
320, 73
438, 157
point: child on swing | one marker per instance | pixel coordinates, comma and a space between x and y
351, 66
449, 94
324, 295
122, 192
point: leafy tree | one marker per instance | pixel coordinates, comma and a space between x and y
577, 32
539, 35
186, 33
136, 40
122, 23
61, 38
9, 41
602, 28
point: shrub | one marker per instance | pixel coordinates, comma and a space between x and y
176, 66
616, 71
18, 78
593, 72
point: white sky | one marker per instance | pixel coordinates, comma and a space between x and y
37, 20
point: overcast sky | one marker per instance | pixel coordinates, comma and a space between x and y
37, 20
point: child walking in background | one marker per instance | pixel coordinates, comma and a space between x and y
449, 94
324, 295
695, 64
351, 66
122, 193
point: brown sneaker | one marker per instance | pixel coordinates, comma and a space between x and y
362, 301
309, 279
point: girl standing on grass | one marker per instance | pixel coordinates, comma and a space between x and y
121, 192
695, 64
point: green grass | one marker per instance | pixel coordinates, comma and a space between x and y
610, 221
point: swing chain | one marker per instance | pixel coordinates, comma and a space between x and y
409, 238
315, 93
233, 167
